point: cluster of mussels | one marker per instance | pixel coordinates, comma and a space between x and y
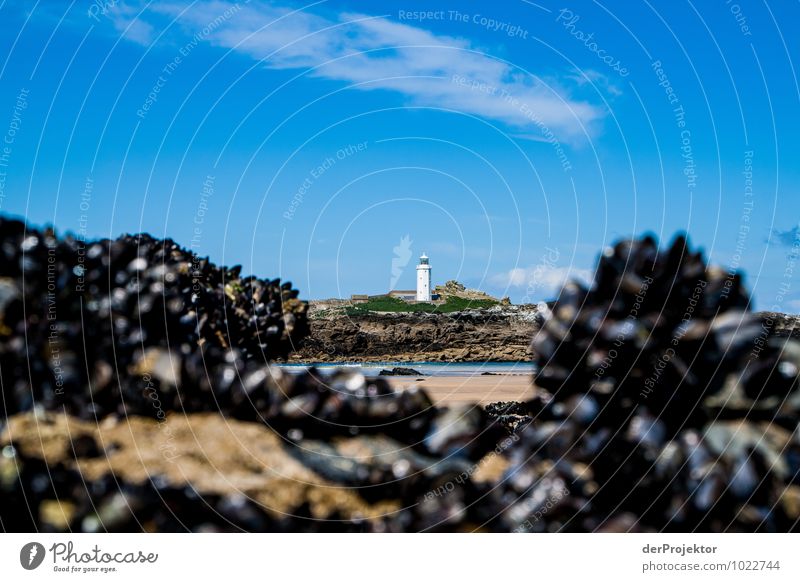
81, 322
659, 403
138, 328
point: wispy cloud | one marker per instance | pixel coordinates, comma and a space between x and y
376, 52
125, 21
541, 281
595, 78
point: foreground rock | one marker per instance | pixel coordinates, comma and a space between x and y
93, 326
208, 473
660, 403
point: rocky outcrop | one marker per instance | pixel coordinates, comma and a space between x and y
500, 334
455, 289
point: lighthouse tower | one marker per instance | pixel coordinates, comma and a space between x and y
423, 279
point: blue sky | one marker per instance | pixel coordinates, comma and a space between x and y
510, 141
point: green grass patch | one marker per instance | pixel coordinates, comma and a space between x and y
392, 304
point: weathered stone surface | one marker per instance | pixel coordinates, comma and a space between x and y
500, 334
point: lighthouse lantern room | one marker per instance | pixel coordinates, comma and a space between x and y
423, 279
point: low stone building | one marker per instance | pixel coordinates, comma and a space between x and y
405, 295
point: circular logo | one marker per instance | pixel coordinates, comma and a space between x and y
31, 555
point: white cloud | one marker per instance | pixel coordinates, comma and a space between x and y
378, 53
540, 281
127, 23
596, 79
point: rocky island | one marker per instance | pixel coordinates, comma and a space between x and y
500, 333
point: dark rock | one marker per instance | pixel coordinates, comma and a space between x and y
397, 371
99, 327
662, 404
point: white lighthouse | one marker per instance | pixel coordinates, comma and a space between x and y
423, 279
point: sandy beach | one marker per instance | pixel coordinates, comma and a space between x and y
480, 389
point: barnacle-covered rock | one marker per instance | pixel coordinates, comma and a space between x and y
661, 403
657, 329
81, 323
